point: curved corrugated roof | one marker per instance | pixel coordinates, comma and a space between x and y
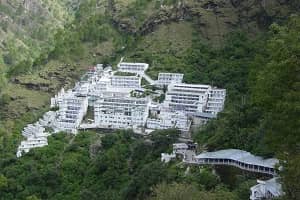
241, 156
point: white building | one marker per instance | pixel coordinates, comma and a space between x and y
165, 79
100, 86
167, 120
57, 99
126, 81
124, 112
30, 143
216, 100
35, 137
71, 113
81, 89
110, 85
266, 189
111, 96
32, 129
180, 148
47, 119
165, 157
138, 68
190, 98
194, 98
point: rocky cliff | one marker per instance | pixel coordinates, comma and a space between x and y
27, 26
215, 18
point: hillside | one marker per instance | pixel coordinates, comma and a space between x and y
27, 27
159, 33
247, 47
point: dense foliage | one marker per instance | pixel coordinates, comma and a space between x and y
266, 119
261, 76
98, 166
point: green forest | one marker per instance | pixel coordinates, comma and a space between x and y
261, 74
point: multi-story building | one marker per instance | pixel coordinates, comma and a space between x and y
165, 79
71, 113
111, 94
167, 119
126, 81
123, 112
216, 100
81, 89
30, 143
194, 98
190, 98
32, 129
35, 137
100, 86
138, 68
57, 99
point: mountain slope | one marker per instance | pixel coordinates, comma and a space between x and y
217, 42
27, 27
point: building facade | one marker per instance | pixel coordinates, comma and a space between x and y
124, 112
195, 98
57, 99
138, 68
35, 137
71, 113
30, 143
216, 100
167, 120
165, 79
126, 81
190, 98
114, 95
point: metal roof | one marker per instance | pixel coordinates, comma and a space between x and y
241, 156
273, 185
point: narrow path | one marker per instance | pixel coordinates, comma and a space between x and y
148, 79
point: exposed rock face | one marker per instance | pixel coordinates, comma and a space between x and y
32, 6
215, 17
164, 15
27, 22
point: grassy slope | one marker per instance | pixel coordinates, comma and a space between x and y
40, 85
164, 48
172, 40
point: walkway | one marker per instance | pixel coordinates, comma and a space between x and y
148, 79
233, 157
237, 158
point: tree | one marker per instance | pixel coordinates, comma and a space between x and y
3, 182
22, 67
277, 88
177, 191
277, 93
32, 197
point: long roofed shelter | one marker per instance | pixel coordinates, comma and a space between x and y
238, 158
